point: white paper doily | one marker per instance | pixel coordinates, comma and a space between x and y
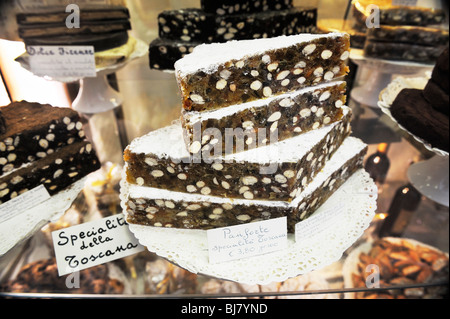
19, 228
189, 250
390, 93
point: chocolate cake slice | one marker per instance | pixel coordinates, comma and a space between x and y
162, 208
417, 115
276, 171
56, 172
42, 145
104, 27
34, 131
218, 75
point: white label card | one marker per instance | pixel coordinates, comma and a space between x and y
62, 61
23, 202
94, 243
247, 240
319, 223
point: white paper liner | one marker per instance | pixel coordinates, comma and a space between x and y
140, 49
189, 248
351, 262
390, 93
19, 228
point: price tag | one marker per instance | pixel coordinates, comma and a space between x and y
94, 243
62, 61
247, 240
23, 202
319, 223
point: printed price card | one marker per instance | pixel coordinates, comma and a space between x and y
23, 202
317, 224
94, 243
62, 61
247, 240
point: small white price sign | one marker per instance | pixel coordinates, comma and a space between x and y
247, 240
62, 61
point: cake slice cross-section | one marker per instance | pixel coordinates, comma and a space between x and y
33, 131
163, 208
276, 171
218, 75
289, 114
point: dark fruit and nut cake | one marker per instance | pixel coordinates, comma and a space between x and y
243, 71
42, 145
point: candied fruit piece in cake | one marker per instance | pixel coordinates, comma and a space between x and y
275, 171
223, 74
34, 131
164, 208
288, 114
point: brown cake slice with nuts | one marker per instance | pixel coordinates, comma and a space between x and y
33, 131
42, 145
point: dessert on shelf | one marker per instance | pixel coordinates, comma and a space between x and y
218, 75
105, 27
404, 33
175, 182
425, 113
42, 145
179, 31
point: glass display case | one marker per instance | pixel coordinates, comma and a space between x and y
402, 253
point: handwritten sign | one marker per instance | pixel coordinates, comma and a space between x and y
62, 61
94, 243
23, 202
242, 241
319, 223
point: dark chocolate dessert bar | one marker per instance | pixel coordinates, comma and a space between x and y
194, 25
162, 208
289, 114
56, 172
188, 25
415, 113
164, 53
265, 24
417, 16
104, 27
396, 15
441, 72
223, 74
91, 28
402, 51
59, 15
34, 131
437, 97
408, 34
224, 7
277, 171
